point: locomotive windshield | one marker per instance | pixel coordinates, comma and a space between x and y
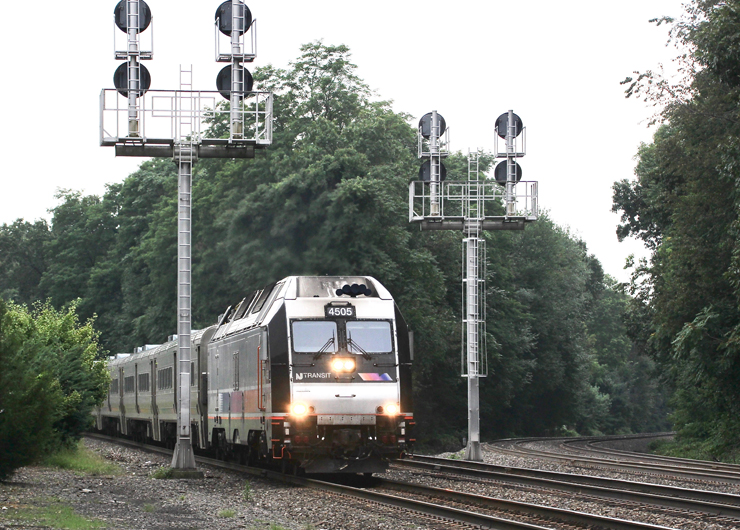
368, 336
313, 336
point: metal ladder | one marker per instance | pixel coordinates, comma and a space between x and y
185, 114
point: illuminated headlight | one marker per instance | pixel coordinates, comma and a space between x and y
391, 409
343, 365
299, 409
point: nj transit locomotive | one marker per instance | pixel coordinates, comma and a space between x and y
310, 372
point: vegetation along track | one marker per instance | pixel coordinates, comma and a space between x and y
456, 507
562, 451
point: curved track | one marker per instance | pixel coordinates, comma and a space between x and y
581, 452
456, 507
708, 502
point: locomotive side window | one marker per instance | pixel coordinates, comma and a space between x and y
164, 378
114, 387
143, 382
369, 336
128, 385
313, 336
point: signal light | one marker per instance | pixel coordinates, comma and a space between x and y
224, 17
425, 124
391, 409
121, 16
502, 124
502, 169
223, 82
425, 171
120, 80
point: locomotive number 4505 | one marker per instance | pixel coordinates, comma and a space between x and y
344, 311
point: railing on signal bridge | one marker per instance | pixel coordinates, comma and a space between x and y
163, 113
484, 198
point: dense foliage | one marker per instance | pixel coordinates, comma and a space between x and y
684, 206
49, 381
330, 197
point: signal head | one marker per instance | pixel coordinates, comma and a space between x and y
120, 79
224, 18
223, 82
502, 124
425, 124
121, 16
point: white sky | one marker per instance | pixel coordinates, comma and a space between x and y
560, 73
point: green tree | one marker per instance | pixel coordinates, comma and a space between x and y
684, 206
23, 260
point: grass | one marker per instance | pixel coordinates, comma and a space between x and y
149, 508
162, 473
247, 492
80, 459
226, 513
57, 516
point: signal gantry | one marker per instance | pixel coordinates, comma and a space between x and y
186, 125
472, 206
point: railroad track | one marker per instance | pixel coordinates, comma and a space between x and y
595, 446
708, 502
631, 462
455, 507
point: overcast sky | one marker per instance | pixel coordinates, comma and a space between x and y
556, 64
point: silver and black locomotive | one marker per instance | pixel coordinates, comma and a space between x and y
311, 373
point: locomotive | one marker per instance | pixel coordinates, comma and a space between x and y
311, 373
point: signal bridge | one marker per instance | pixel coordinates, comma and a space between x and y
472, 206
164, 115
489, 198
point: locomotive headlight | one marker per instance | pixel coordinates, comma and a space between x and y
391, 409
343, 365
299, 409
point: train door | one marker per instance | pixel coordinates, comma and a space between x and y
155, 410
121, 408
136, 387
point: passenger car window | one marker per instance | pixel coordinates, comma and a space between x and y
369, 336
313, 336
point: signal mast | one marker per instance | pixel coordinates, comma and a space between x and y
138, 121
472, 206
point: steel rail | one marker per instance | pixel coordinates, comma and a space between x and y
712, 503
656, 469
444, 512
558, 514
427, 508
594, 447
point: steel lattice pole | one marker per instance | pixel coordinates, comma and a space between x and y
183, 458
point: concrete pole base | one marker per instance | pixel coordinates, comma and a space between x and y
183, 459
473, 452
187, 474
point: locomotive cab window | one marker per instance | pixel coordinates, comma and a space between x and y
313, 336
369, 336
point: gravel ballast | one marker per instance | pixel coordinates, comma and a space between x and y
133, 500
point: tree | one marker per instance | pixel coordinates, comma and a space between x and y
684, 206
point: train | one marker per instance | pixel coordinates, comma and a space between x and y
310, 373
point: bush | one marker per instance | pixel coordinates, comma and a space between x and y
49, 382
